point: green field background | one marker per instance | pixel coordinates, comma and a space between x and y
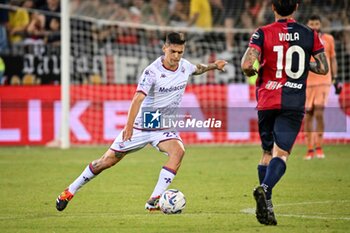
313, 196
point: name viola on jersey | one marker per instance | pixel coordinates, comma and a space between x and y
173, 88
274, 85
288, 36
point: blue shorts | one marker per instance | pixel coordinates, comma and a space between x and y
279, 126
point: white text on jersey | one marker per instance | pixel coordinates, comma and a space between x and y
274, 85
288, 36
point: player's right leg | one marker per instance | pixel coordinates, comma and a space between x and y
266, 125
108, 159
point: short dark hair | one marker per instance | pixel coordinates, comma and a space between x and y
314, 17
285, 7
175, 38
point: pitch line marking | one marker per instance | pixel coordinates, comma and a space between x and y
252, 210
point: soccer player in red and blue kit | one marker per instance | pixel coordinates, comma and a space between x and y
283, 49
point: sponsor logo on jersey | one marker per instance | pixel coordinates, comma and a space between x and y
274, 85
293, 85
173, 88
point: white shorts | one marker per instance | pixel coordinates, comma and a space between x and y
140, 138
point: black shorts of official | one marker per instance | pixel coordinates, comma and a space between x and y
280, 127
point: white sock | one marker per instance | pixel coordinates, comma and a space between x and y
166, 176
84, 177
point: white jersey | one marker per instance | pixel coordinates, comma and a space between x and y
163, 88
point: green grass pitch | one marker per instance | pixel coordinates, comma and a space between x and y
313, 196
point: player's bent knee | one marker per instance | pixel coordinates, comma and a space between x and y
177, 154
180, 152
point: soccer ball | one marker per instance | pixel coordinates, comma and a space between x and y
172, 201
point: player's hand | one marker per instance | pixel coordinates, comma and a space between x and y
127, 133
250, 72
338, 86
220, 64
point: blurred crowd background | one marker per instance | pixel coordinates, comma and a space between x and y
37, 22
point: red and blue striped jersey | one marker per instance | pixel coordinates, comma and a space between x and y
285, 49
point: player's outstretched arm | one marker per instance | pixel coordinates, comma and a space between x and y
202, 68
320, 65
247, 62
133, 110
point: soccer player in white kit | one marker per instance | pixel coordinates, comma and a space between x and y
161, 86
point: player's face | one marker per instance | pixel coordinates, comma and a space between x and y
315, 25
173, 53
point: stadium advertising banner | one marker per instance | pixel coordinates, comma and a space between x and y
30, 115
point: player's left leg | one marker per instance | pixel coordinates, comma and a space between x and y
308, 121
319, 113
108, 159
320, 103
112, 156
175, 150
308, 131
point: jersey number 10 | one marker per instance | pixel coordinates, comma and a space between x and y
289, 55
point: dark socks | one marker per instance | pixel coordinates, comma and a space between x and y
261, 172
274, 172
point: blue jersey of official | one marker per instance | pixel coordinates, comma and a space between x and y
286, 47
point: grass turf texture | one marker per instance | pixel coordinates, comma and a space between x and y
313, 196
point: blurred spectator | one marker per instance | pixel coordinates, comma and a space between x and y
52, 6
217, 11
160, 10
74, 5
88, 8
179, 13
150, 12
35, 30
232, 10
306, 10
253, 16
40, 3
19, 20
116, 11
200, 14
54, 35
3, 25
46, 27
